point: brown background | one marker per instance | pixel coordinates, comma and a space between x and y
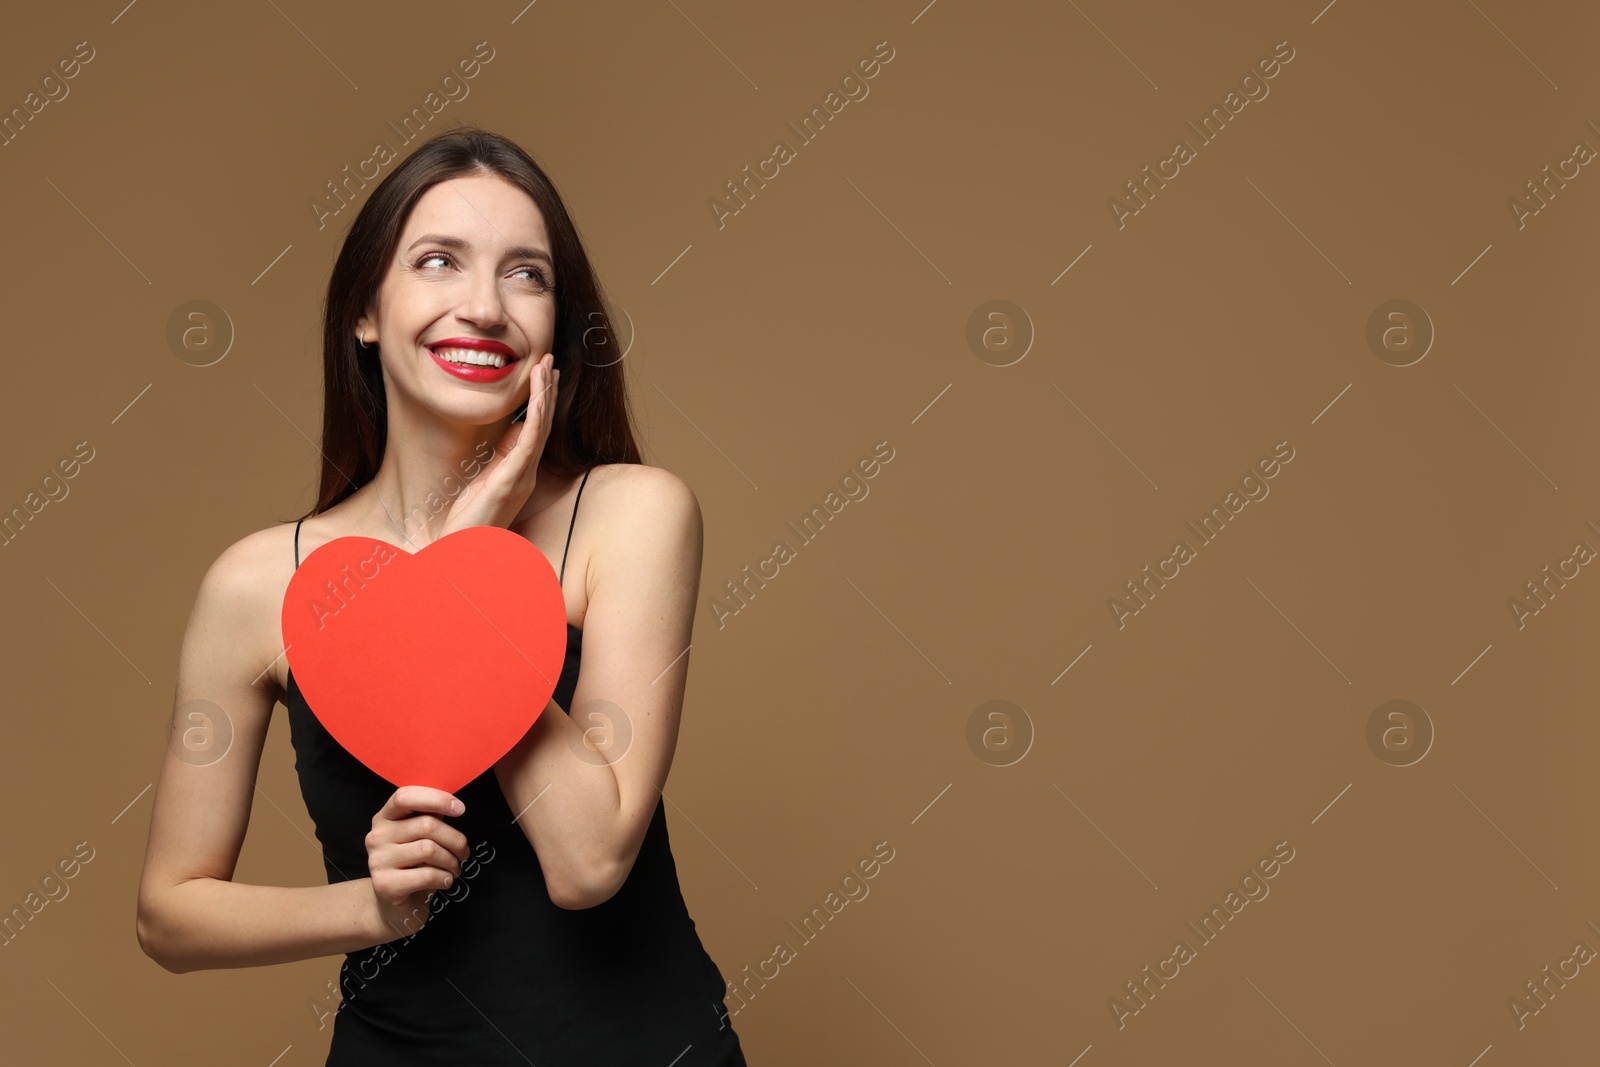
833, 713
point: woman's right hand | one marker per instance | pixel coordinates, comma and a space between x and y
412, 853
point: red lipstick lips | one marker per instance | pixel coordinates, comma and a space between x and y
472, 372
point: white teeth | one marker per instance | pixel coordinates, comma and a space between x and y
471, 357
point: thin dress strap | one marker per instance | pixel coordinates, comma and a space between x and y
297, 544
562, 576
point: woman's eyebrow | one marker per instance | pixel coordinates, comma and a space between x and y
519, 252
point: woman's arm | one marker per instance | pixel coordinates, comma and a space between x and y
643, 583
191, 914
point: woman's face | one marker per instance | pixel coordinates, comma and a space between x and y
473, 264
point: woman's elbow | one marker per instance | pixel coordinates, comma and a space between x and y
150, 931
149, 945
590, 889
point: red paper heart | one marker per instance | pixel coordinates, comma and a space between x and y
427, 666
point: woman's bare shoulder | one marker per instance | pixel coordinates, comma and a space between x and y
637, 506
244, 588
635, 494
259, 561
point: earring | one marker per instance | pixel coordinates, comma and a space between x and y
361, 342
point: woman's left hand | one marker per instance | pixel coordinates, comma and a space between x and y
500, 490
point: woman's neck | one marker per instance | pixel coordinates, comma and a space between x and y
425, 468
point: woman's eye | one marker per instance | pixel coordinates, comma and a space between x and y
537, 276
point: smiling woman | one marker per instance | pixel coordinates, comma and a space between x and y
461, 298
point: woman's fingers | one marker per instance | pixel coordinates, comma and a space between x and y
514, 476
407, 800
542, 403
538, 403
520, 445
428, 827
548, 408
541, 415
395, 884
422, 852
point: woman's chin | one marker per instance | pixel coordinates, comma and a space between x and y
468, 414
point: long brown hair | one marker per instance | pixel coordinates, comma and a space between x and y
591, 424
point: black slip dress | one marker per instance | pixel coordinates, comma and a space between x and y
499, 974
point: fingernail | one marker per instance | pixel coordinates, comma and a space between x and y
456, 807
